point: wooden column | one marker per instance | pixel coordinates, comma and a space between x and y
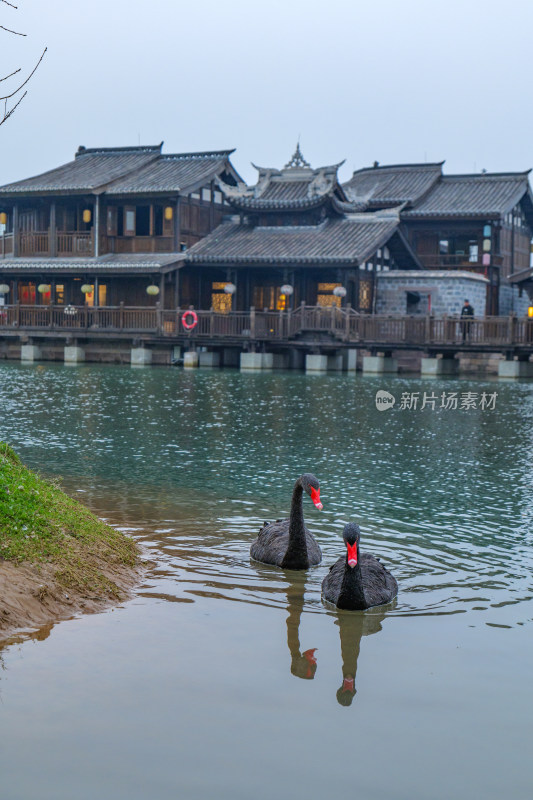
96, 227
15, 230
52, 231
177, 232
177, 288
212, 207
162, 292
95, 284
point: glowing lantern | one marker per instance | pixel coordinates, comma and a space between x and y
3, 218
152, 289
529, 311
339, 291
4, 288
287, 289
86, 288
169, 213
44, 288
87, 215
230, 288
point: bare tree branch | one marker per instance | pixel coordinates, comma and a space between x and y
8, 111
10, 31
17, 90
10, 75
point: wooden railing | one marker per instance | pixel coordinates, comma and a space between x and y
75, 243
327, 324
34, 243
140, 244
6, 244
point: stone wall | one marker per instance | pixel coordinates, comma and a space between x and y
448, 290
509, 300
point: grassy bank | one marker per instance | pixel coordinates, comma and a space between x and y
41, 526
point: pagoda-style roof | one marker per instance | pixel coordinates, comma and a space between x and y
127, 170
485, 195
349, 241
295, 187
391, 185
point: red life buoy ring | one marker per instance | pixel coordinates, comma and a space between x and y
194, 320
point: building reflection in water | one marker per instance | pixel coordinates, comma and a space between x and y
353, 625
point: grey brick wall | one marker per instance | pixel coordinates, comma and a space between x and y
448, 290
510, 301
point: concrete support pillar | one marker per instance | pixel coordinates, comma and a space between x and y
267, 360
191, 359
231, 357
433, 367
296, 359
376, 365
30, 352
73, 354
209, 359
280, 361
316, 363
176, 353
515, 369
335, 363
349, 360
140, 356
251, 361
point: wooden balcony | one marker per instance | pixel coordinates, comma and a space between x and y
331, 327
6, 245
137, 244
459, 262
79, 244
37, 243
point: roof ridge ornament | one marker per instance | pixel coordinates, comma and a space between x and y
297, 159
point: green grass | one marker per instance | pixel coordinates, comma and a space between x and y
40, 524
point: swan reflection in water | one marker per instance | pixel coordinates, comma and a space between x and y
303, 665
353, 625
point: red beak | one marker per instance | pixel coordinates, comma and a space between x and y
352, 554
315, 497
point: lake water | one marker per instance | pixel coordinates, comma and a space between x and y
224, 678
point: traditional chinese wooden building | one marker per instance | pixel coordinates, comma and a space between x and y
295, 237
113, 221
478, 223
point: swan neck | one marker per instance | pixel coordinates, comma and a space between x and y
296, 519
352, 594
296, 556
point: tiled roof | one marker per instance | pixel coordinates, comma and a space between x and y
126, 170
109, 263
91, 169
296, 186
350, 240
480, 195
392, 185
180, 172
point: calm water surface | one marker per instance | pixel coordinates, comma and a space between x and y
230, 679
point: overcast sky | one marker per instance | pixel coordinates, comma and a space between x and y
394, 81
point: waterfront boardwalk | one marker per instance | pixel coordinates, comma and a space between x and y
305, 327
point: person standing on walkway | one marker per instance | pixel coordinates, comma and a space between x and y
467, 315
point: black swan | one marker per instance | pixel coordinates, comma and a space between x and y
287, 543
358, 580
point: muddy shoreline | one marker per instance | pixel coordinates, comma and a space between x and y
31, 597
